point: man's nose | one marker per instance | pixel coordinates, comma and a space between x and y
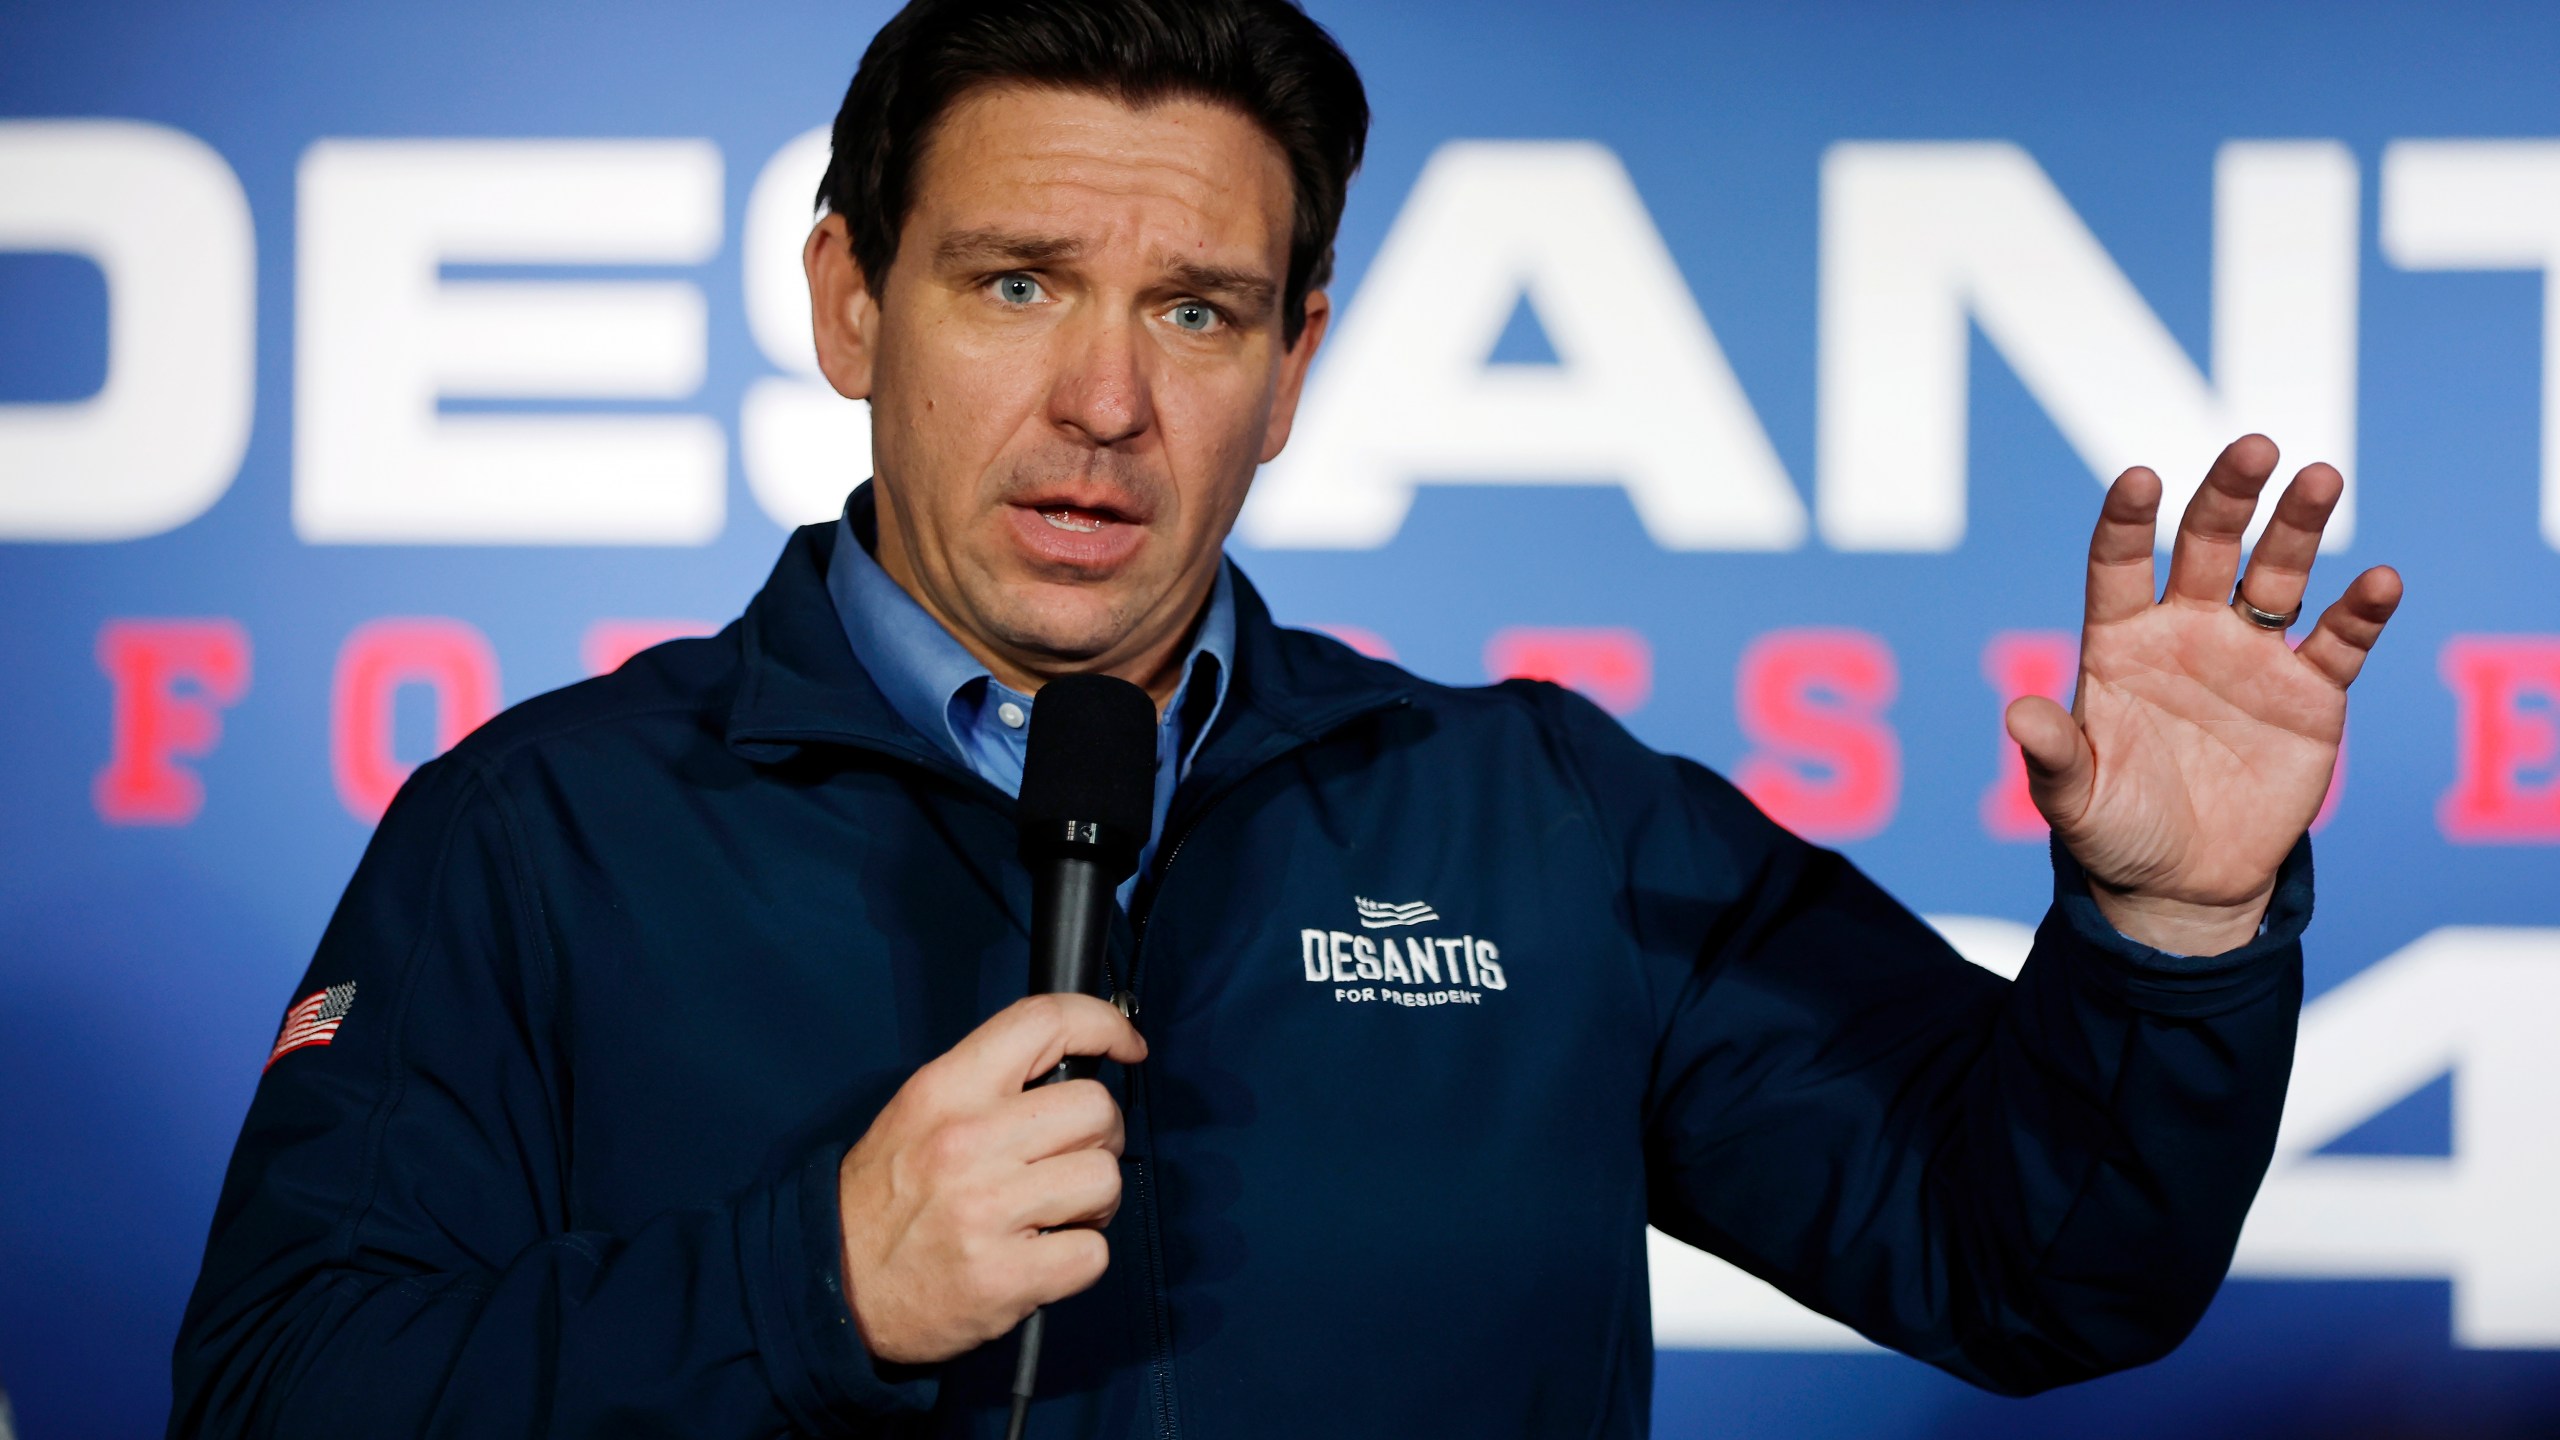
1102, 393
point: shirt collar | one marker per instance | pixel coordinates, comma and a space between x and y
920, 669
1216, 644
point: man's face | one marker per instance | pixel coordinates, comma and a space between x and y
1074, 366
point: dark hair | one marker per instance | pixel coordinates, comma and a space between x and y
1263, 57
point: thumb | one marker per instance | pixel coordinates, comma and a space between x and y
1026, 1040
2060, 766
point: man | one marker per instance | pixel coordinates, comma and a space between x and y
677, 1079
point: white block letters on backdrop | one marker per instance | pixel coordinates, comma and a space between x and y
803, 445
1919, 242
380, 338
1919, 239
164, 219
1641, 397
2473, 1001
2470, 1001
2485, 205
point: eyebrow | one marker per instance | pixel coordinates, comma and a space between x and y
1007, 247
1244, 289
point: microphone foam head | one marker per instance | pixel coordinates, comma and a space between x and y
1091, 759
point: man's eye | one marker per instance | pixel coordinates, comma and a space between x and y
1193, 316
1017, 289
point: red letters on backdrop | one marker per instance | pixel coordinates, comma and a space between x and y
2023, 662
1368, 642
171, 680
1825, 759
1826, 764
2506, 781
1610, 664
452, 658
610, 642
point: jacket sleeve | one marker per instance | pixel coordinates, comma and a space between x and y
2024, 1184
391, 1254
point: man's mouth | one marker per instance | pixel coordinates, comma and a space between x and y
1087, 530
1076, 518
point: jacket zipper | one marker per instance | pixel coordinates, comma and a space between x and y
1151, 1244
1159, 1326
1160, 1364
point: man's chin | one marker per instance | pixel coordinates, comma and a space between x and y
1062, 626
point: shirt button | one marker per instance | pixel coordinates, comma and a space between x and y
1011, 714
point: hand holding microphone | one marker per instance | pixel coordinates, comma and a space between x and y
946, 1199
971, 1200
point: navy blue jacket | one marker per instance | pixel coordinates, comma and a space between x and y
638, 960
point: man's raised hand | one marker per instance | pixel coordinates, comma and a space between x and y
946, 1198
2201, 744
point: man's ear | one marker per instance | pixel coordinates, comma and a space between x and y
843, 315
1293, 375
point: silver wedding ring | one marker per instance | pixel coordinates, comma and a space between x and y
2265, 619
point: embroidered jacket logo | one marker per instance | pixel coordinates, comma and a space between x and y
1379, 915
1416, 971
313, 1021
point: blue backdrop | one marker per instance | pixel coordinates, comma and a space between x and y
1769, 409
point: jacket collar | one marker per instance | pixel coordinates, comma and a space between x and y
800, 684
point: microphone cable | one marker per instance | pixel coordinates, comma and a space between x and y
1026, 1374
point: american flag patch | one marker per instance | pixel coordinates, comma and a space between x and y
314, 1021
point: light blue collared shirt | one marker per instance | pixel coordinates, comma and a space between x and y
937, 686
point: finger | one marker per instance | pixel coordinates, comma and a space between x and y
1063, 1264
1026, 1040
2120, 549
1032, 1125
1078, 1189
2337, 646
2280, 566
2206, 557
2060, 766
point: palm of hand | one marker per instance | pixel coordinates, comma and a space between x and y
2201, 744
2214, 746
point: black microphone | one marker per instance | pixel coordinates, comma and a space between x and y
1086, 805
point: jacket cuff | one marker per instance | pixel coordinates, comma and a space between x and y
791, 1242
2183, 985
